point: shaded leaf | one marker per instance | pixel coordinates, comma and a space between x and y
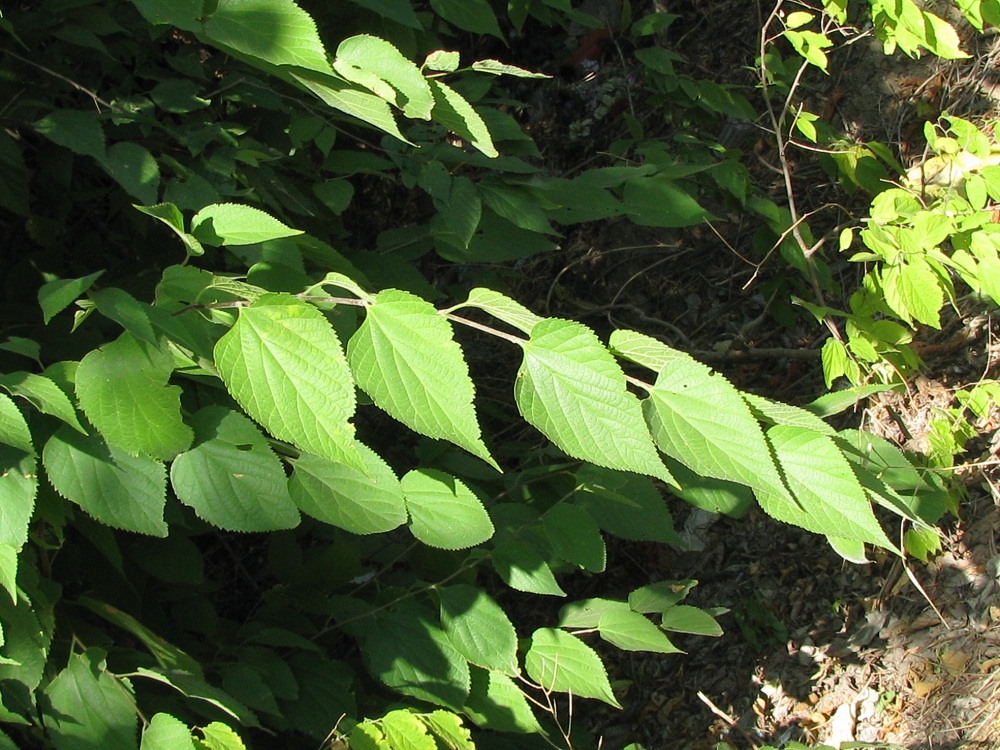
444, 513
478, 628
563, 663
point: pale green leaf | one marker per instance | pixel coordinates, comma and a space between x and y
645, 350
362, 501
444, 513
79, 131
660, 596
123, 390
587, 613
116, 488
412, 655
701, 420
469, 15
56, 296
625, 505
632, 631
501, 307
231, 478
367, 736
686, 619
219, 736
913, 292
135, 169
521, 567
18, 487
276, 31
443, 61
478, 628
497, 68
449, 730
343, 282
283, 363
166, 733
830, 499
405, 357
571, 389
575, 536
360, 57
657, 201
90, 707
8, 579
778, 413
236, 224
852, 550
496, 702
13, 427
455, 113
404, 731
563, 663
344, 97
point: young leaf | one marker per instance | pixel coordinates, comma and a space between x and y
469, 15
276, 31
913, 292
444, 513
701, 420
219, 736
362, 501
405, 357
166, 733
284, 364
575, 537
236, 224
625, 505
116, 488
830, 499
686, 619
56, 296
455, 113
360, 57
231, 478
570, 388
632, 631
563, 663
412, 655
496, 702
89, 706
404, 730
478, 628
123, 390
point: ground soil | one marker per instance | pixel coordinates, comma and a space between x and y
815, 649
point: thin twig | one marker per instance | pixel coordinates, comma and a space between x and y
729, 720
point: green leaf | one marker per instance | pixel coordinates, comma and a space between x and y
632, 631
497, 68
127, 311
400, 11
444, 513
231, 478
852, 550
571, 389
657, 201
236, 224
184, 14
701, 420
219, 736
462, 210
778, 413
79, 131
412, 655
660, 596
116, 488
405, 357
193, 687
563, 663
8, 578
521, 567
135, 169
344, 97
830, 499
276, 31
362, 57
575, 537
455, 113
686, 619
406, 731
443, 61
123, 390
587, 613
713, 495
283, 363
501, 307
166, 733
90, 707
496, 702
449, 730
13, 427
469, 15
913, 292
478, 628
362, 501
27, 636
625, 505
171, 216
18, 487
56, 296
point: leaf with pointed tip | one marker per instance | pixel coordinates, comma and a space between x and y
830, 499
43, 394
778, 413
563, 663
405, 357
701, 420
405, 731
496, 702
79, 131
345, 97
587, 613
501, 307
455, 113
283, 363
367, 501
236, 224
18, 487
632, 631
231, 478
166, 733
478, 628
684, 618
123, 390
364, 56
570, 388
522, 567
116, 488
449, 730
56, 296
444, 513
